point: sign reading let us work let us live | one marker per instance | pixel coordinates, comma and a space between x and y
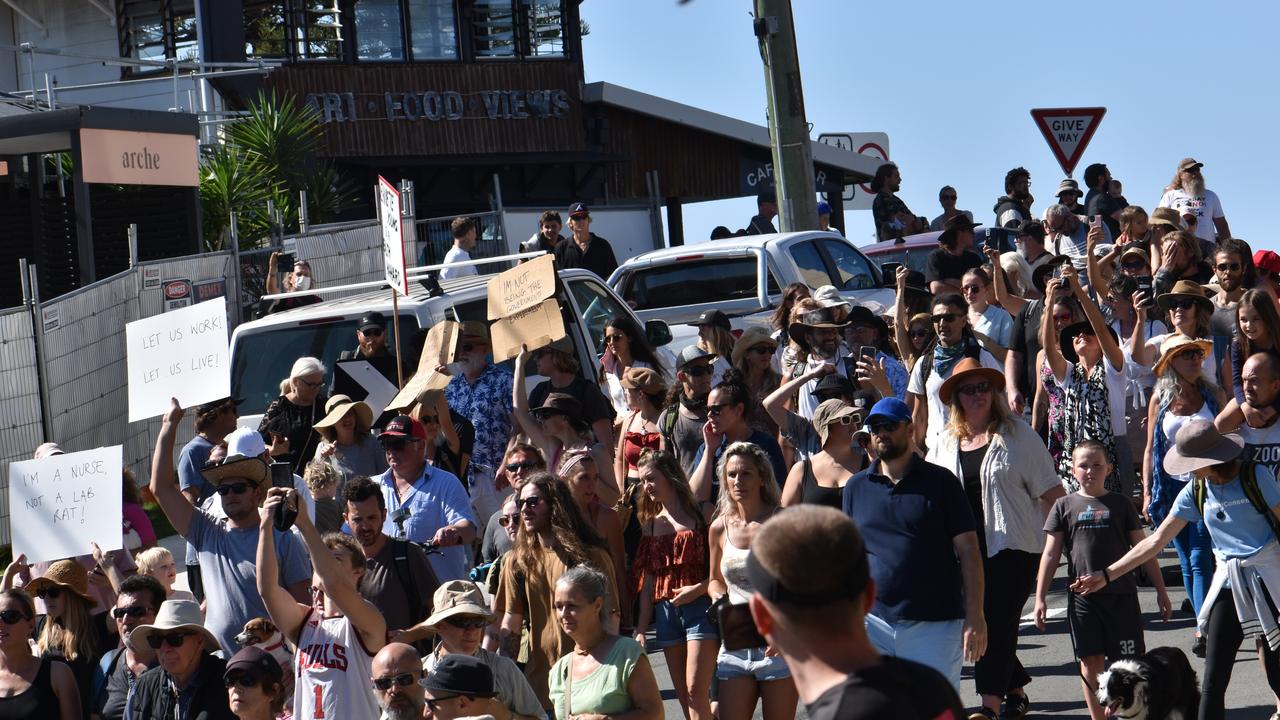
181, 354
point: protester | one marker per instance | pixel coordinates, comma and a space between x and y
1067, 235
750, 497
645, 393
290, 419
1020, 264
955, 341
1069, 194
450, 438
347, 445
625, 347
548, 235
814, 616
461, 688
337, 621
138, 533
463, 231
584, 249
824, 218
425, 503
214, 422
557, 363
1099, 202
398, 577
780, 321
295, 282
1244, 545
158, 564
947, 199
397, 682
322, 483
137, 603
1096, 527
766, 211
715, 337
481, 392
188, 677
753, 354
1187, 192
578, 686
669, 577
1014, 207
1257, 330
954, 256
1009, 480
371, 347
928, 606
799, 438
557, 428
1261, 382
893, 219
1189, 311
726, 425
31, 686
581, 473
1018, 371
521, 461
255, 685
226, 549
816, 333
986, 319
1050, 399
459, 621
868, 330
682, 420
820, 478
499, 537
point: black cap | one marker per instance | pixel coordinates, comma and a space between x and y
210, 408
255, 661
371, 320
917, 282
714, 317
1039, 276
862, 314
1034, 228
958, 222
579, 208
834, 383
458, 674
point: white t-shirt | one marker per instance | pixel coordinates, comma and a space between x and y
1117, 384
997, 324
456, 254
1139, 375
807, 403
333, 671
1207, 208
1210, 367
938, 410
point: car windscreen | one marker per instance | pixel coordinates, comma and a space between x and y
263, 359
694, 282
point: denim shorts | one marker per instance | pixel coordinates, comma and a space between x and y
752, 663
676, 624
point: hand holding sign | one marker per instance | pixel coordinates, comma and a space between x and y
181, 354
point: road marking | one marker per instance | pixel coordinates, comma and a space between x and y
1029, 620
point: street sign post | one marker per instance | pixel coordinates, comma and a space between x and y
1068, 131
871, 144
393, 260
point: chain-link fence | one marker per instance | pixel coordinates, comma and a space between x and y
434, 237
21, 430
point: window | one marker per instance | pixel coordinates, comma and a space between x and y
265, 26
317, 31
158, 30
813, 271
493, 28
379, 33
712, 281
546, 28
297, 30
852, 270
433, 30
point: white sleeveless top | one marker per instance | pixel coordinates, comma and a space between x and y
1173, 423
733, 565
333, 672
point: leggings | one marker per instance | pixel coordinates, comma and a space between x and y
1010, 578
1224, 637
1195, 555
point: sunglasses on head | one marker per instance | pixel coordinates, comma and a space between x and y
944, 318
506, 520
372, 332
463, 623
173, 640
133, 611
235, 488
981, 388
401, 680
880, 427
697, 370
530, 502
244, 680
525, 465
11, 617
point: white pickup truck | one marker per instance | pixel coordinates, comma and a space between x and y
743, 277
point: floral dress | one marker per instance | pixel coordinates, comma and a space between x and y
1057, 398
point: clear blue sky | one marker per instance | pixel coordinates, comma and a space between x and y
953, 83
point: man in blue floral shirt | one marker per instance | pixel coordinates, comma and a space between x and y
481, 391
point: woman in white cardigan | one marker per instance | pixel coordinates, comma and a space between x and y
1011, 484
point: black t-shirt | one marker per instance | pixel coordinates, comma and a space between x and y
1095, 534
598, 257
1026, 340
896, 689
1103, 204
595, 406
942, 265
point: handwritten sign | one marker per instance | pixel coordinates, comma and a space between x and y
439, 349
59, 504
522, 287
392, 237
181, 354
536, 327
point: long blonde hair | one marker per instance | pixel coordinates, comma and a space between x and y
999, 422
71, 635
721, 343
665, 463
769, 495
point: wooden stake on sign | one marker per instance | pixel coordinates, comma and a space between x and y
395, 324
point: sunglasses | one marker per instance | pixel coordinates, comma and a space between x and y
235, 488
944, 318
434, 419
244, 680
173, 640
464, 624
966, 289
49, 593
1062, 317
610, 339
1181, 303
981, 388
880, 427
716, 409
761, 350
372, 332
843, 420
1228, 267
1195, 353
468, 347
919, 333
133, 611
12, 617
530, 502
526, 465
1133, 265
432, 702
697, 371
401, 680
506, 520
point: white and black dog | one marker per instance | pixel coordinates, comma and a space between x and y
1160, 685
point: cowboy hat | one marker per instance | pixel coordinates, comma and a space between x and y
751, 337
561, 404
1069, 334
1039, 276
1198, 444
969, 369
1176, 344
1186, 289
338, 407
458, 597
244, 467
174, 615
1167, 217
67, 575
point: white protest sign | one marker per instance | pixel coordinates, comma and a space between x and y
380, 391
392, 237
181, 354
59, 504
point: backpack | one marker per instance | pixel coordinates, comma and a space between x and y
1249, 481
400, 559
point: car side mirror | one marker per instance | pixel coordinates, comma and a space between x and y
657, 332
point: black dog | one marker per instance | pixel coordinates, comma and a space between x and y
1157, 686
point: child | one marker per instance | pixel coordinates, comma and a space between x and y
1116, 190
1096, 528
322, 481
158, 563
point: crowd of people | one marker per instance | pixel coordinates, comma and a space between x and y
842, 508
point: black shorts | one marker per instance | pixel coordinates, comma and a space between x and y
1106, 624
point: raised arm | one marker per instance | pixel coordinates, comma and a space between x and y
520, 408
1000, 290
164, 481
1138, 554
273, 270
286, 612
1110, 348
1048, 339
1099, 275
776, 402
901, 331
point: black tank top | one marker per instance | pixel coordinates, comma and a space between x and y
37, 700
814, 494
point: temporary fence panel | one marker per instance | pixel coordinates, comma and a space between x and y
343, 256
21, 431
629, 230
434, 236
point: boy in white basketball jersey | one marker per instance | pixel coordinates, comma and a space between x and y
338, 635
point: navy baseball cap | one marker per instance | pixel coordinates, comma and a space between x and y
577, 209
890, 408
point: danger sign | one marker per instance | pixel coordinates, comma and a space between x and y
1068, 131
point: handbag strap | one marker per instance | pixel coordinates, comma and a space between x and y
568, 689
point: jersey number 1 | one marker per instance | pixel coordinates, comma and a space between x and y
319, 713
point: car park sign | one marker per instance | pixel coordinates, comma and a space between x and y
871, 144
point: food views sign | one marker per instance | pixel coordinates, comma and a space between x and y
441, 105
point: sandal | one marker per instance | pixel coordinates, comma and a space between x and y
1015, 707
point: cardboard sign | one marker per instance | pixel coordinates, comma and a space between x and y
59, 504
181, 354
522, 287
393, 267
439, 349
536, 327
422, 381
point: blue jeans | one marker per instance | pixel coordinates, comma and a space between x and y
939, 644
1195, 555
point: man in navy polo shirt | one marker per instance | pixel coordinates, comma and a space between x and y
922, 542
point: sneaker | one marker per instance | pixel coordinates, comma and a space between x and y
1015, 707
1197, 648
1186, 606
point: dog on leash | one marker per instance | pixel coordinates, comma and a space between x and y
1160, 685
263, 633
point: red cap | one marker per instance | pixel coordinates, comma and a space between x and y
1267, 260
405, 427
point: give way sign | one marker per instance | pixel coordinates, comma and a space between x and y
1068, 131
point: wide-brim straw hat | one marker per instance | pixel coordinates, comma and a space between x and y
820, 318
235, 467
458, 597
1068, 334
751, 337
174, 615
562, 404
338, 407
66, 574
966, 370
1175, 344
1197, 445
1186, 289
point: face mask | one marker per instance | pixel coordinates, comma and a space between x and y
301, 282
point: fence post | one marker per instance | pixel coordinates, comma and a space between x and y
502, 215
233, 237
302, 212
133, 244
30, 274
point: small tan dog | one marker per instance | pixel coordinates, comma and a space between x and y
264, 634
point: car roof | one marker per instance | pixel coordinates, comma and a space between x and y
910, 242
745, 241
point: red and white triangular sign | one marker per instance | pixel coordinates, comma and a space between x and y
1068, 131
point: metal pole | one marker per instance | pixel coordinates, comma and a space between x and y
175, 107
302, 212
408, 220
395, 326
133, 244
788, 128
502, 215
37, 334
233, 237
